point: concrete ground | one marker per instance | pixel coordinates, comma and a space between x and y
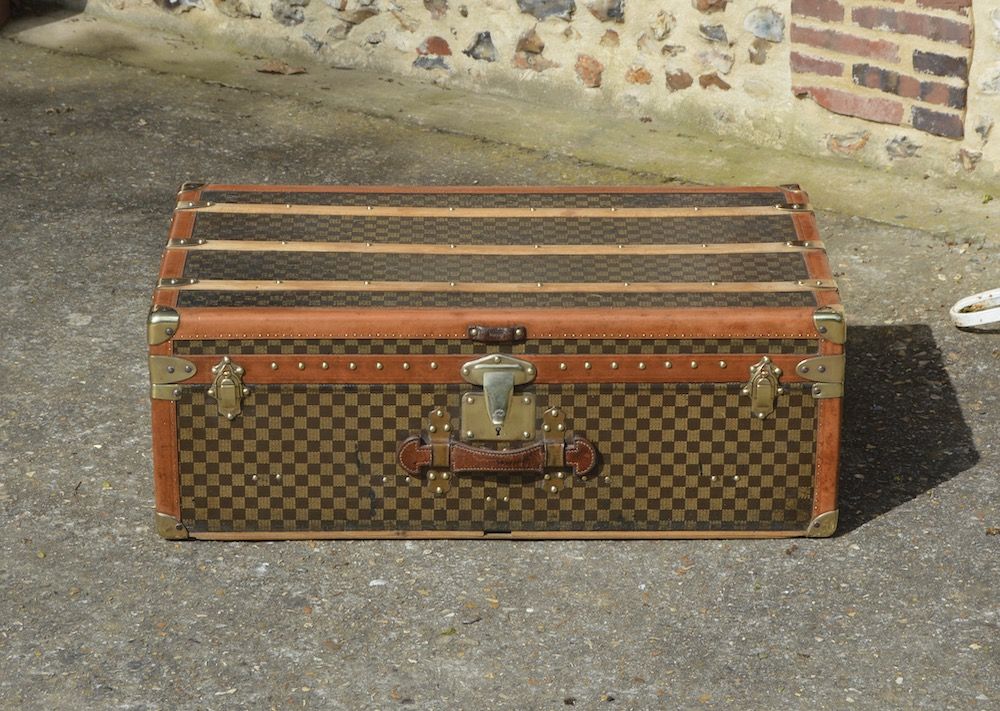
899, 610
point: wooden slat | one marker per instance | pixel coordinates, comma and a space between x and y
479, 212
520, 250
682, 287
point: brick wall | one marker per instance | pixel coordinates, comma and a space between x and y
902, 62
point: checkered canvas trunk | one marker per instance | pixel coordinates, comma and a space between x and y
345, 331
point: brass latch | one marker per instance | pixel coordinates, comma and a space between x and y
227, 388
495, 414
763, 387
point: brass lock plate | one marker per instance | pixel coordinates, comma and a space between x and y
497, 413
518, 424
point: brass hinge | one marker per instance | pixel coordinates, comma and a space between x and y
794, 207
170, 369
170, 528
164, 391
827, 372
822, 369
188, 242
161, 325
227, 388
830, 323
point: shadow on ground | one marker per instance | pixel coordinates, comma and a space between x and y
903, 431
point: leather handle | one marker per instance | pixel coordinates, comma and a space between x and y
415, 456
497, 334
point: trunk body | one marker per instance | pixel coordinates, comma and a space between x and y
511, 362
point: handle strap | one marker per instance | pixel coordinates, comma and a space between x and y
577, 454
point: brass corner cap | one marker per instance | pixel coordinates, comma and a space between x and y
831, 323
161, 325
170, 528
824, 525
189, 186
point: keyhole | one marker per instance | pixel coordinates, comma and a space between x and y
498, 430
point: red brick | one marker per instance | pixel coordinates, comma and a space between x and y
902, 85
940, 65
804, 64
912, 23
848, 104
845, 43
959, 6
829, 10
938, 123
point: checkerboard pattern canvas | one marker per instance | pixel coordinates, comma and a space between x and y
322, 458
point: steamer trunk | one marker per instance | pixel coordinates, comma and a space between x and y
332, 362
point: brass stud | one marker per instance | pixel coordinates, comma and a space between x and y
246, 391
451, 283
562, 366
496, 359
434, 366
526, 399
561, 428
253, 478
694, 364
438, 490
432, 476
553, 488
722, 364
444, 475
407, 479
352, 366
530, 371
385, 480
379, 366
170, 369
506, 499
642, 366
614, 365
465, 371
560, 475
525, 435
278, 477
587, 365
469, 434
302, 366
324, 365
538, 284
439, 413
547, 477
274, 366
406, 366
714, 283
211, 392
518, 332
667, 364
470, 400
607, 480
473, 332
489, 499
432, 429
447, 428
546, 428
